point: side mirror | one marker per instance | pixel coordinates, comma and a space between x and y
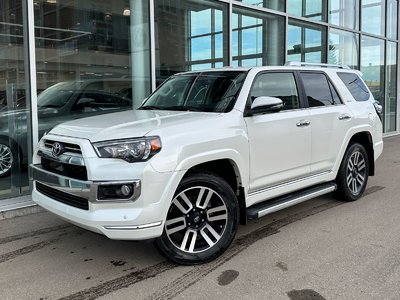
378, 107
266, 104
85, 101
47, 112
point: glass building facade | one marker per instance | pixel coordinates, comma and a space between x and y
68, 59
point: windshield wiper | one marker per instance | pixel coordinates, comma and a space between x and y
182, 108
150, 107
174, 107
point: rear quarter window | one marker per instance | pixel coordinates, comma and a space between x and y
355, 85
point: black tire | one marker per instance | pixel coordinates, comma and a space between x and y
195, 218
7, 157
353, 173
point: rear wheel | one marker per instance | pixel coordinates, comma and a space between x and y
201, 222
353, 173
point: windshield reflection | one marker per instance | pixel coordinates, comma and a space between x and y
207, 91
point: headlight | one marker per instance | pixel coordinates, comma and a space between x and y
134, 150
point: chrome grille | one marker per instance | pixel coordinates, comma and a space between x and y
67, 146
68, 170
69, 163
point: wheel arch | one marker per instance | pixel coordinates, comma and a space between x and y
228, 170
365, 138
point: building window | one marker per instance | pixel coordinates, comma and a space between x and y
392, 19
257, 38
271, 4
312, 9
344, 13
190, 35
96, 45
373, 66
205, 39
306, 42
391, 87
373, 16
343, 48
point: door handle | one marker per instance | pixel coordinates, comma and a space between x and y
344, 117
303, 123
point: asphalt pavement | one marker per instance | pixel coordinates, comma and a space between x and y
320, 249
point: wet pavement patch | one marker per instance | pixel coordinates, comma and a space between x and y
281, 265
304, 295
118, 263
227, 277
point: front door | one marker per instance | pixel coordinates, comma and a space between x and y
280, 142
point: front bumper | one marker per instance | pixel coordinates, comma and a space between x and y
85, 189
132, 219
113, 223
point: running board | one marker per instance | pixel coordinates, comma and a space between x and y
264, 208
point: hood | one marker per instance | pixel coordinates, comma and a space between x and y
123, 125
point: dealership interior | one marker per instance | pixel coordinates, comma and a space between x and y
67, 59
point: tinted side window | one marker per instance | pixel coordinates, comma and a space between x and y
355, 85
279, 85
317, 89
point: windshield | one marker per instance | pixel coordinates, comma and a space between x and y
57, 95
207, 91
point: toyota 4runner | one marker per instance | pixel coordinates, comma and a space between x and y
209, 150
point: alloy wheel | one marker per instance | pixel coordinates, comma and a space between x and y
196, 220
356, 172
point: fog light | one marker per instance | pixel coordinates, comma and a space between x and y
109, 192
126, 190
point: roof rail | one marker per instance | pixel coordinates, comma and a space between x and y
304, 64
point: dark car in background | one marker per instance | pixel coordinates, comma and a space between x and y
59, 103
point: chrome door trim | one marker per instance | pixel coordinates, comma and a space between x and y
280, 185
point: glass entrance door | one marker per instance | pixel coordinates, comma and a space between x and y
14, 109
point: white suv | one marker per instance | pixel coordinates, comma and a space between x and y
209, 150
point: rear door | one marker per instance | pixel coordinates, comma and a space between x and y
330, 120
280, 142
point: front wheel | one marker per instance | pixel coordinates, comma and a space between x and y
353, 173
201, 222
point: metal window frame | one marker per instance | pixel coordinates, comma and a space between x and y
398, 72
31, 64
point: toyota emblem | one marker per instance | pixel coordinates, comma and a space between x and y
57, 149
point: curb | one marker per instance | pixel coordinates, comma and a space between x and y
18, 212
